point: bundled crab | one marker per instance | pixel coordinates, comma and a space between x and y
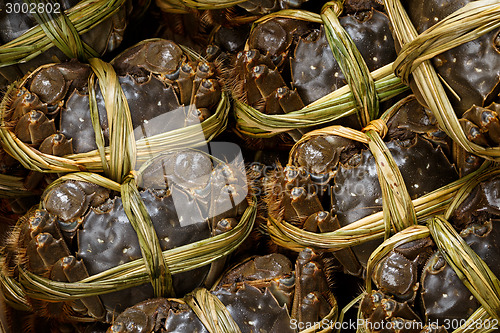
332, 180
295, 65
421, 289
261, 294
37, 33
156, 92
463, 38
183, 214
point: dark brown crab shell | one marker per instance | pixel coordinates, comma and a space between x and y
343, 174
278, 37
156, 77
471, 69
444, 296
357, 192
315, 72
251, 309
107, 240
103, 38
257, 293
398, 273
301, 59
45, 243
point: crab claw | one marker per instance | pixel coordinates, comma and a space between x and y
24, 102
57, 144
204, 70
185, 82
305, 203
75, 270
473, 132
486, 121
313, 299
208, 93
34, 127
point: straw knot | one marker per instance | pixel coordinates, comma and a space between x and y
377, 125
337, 6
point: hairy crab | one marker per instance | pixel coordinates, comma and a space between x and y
414, 282
332, 181
471, 69
51, 110
291, 57
83, 229
103, 38
258, 294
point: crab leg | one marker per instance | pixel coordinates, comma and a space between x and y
75, 270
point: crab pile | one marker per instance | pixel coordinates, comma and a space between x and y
249, 166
